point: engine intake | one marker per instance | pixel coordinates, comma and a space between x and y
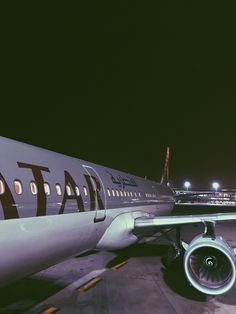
209, 265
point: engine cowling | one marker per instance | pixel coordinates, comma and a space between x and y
209, 265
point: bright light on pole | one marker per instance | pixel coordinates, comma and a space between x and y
215, 186
187, 185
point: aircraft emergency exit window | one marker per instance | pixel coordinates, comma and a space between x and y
113, 192
47, 188
2, 187
77, 191
108, 192
33, 188
85, 191
18, 187
58, 189
68, 190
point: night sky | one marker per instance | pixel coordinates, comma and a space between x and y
116, 82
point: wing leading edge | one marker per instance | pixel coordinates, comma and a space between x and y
167, 221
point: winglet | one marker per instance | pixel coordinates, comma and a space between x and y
165, 175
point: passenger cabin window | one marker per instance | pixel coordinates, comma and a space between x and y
2, 187
113, 192
85, 191
33, 188
135, 194
128, 193
121, 193
77, 191
139, 194
108, 192
18, 187
58, 189
131, 194
117, 192
47, 188
124, 193
68, 190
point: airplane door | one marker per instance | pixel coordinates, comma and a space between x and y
98, 201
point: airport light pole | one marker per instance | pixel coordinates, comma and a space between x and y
187, 185
215, 186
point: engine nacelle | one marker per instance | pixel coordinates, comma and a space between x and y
209, 265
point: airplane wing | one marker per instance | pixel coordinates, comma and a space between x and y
167, 221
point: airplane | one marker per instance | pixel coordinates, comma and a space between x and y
53, 207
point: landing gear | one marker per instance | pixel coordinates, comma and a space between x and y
175, 252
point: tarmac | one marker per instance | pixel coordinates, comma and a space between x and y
132, 280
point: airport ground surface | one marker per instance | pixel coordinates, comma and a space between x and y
139, 285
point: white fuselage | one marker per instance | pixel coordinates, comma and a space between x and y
78, 206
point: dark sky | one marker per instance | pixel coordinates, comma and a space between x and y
116, 82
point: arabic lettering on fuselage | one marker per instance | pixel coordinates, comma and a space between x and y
123, 181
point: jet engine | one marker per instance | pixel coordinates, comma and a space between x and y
209, 265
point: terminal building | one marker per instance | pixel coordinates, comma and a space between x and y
224, 197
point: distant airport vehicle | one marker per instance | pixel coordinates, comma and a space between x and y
53, 207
